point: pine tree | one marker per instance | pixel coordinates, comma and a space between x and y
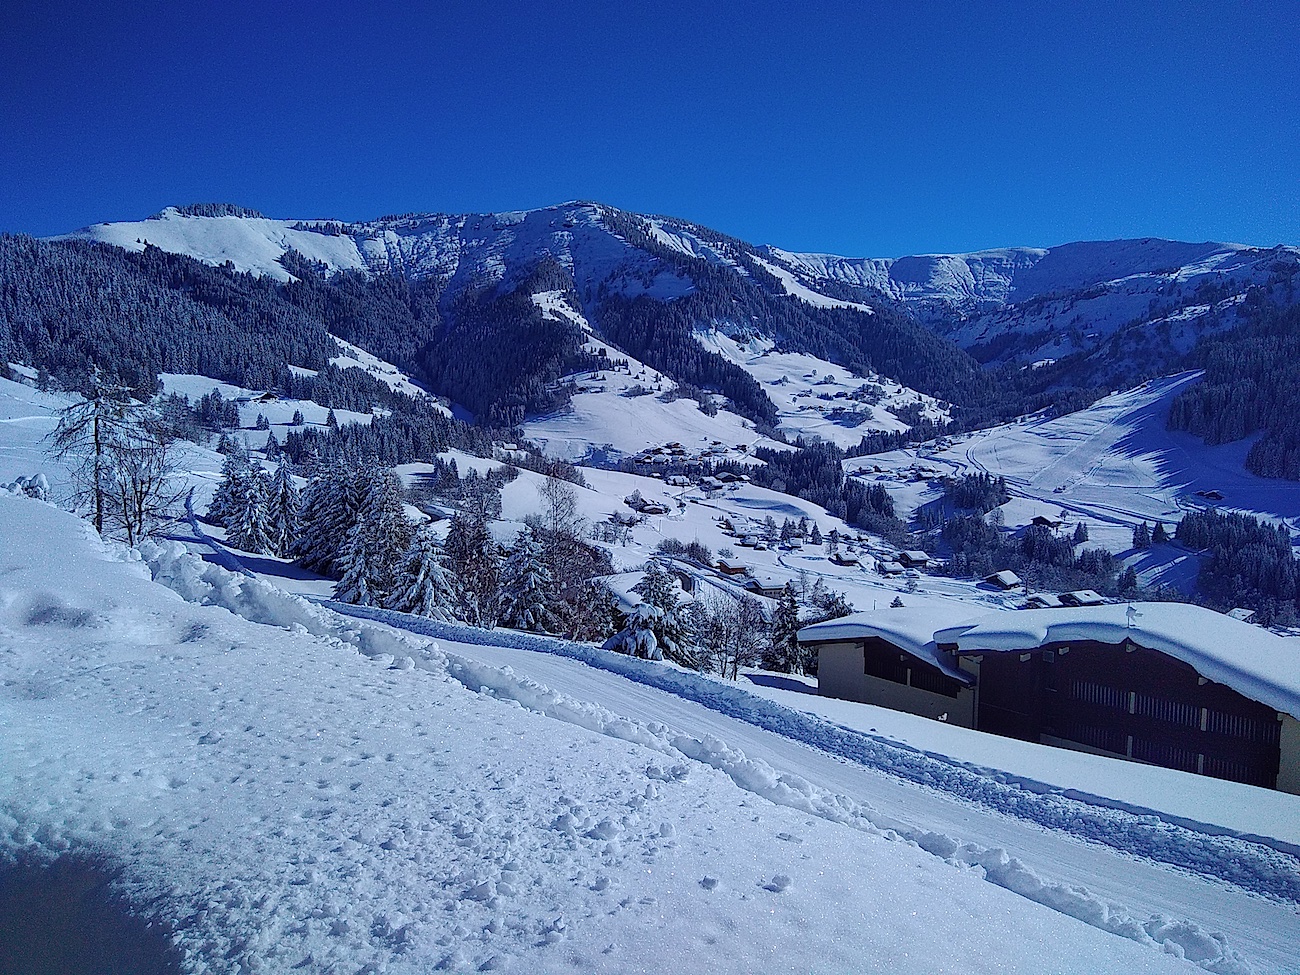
1142, 537
330, 507
672, 628
473, 561
285, 503
234, 470
527, 589
1159, 534
376, 543
783, 652
897, 603
638, 637
1128, 580
421, 584
249, 522
816, 537
1080, 533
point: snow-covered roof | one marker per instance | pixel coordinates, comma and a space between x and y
1083, 597
1006, 578
911, 629
1252, 661
1043, 600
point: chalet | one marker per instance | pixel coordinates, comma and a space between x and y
765, 586
889, 658
1167, 684
1242, 615
889, 568
913, 559
1042, 600
710, 483
1082, 597
730, 567
1042, 521
726, 477
1211, 495
844, 558
1006, 579
654, 508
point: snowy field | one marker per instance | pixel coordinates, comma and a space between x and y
816, 397
1112, 465
603, 417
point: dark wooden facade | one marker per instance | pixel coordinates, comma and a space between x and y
1131, 701
884, 660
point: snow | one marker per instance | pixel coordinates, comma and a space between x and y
254, 245
840, 758
355, 357
797, 289
291, 789
1252, 661
256, 842
1112, 466
1180, 797
602, 418
816, 397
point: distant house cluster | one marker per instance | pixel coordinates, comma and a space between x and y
1163, 683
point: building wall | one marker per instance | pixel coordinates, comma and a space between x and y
841, 673
1288, 776
1132, 702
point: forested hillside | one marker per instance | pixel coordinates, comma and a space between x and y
1251, 386
65, 307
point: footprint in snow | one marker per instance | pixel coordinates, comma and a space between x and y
778, 884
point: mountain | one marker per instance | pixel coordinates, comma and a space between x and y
553, 319
1026, 305
654, 289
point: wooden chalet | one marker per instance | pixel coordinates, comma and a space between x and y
1006, 579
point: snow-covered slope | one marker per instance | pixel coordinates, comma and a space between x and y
816, 397
291, 791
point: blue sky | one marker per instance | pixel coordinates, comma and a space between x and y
854, 128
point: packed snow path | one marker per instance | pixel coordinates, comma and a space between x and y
1133, 866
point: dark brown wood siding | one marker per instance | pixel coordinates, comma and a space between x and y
1131, 701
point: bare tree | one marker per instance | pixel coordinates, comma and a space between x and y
731, 633
119, 455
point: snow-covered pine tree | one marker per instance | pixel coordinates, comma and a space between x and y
527, 589
783, 652
330, 507
637, 638
284, 506
421, 583
672, 629
376, 543
234, 470
474, 564
249, 522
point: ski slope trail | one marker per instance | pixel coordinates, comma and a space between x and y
1050, 848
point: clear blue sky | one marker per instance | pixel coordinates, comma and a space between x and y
857, 128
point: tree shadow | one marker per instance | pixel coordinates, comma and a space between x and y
65, 919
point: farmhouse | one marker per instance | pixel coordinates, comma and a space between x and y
1163, 683
914, 559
